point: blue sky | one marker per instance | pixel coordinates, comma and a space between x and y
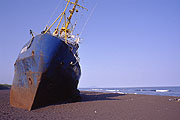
126, 43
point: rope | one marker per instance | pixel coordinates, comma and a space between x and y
53, 13
88, 19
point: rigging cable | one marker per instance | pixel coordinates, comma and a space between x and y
88, 19
80, 17
53, 13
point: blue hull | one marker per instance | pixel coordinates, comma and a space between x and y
46, 72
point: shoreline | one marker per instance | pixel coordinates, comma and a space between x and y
121, 93
159, 91
99, 106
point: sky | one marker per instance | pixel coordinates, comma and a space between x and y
126, 43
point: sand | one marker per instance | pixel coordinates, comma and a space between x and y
99, 106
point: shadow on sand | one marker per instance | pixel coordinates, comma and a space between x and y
87, 96
97, 96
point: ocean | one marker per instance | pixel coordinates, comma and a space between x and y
162, 91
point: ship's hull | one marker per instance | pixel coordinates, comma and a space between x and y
46, 72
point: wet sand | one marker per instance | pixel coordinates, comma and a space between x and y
99, 106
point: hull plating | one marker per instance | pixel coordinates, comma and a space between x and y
46, 72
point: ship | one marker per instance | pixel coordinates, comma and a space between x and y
47, 70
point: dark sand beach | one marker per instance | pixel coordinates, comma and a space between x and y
98, 106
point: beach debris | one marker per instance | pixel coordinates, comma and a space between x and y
174, 99
95, 111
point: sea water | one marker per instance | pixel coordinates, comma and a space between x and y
163, 91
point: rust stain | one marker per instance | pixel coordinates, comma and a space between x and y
33, 53
30, 81
23, 96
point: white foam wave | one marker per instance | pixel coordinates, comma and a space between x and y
121, 93
162, 90
96, 89
114, 91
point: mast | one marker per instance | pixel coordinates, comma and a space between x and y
69, 19
66, 24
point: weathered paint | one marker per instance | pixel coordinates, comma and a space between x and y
44, 73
